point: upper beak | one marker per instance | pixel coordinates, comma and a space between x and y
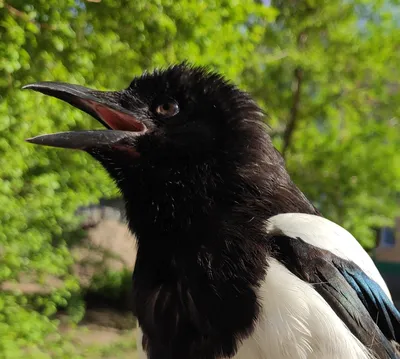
103, 106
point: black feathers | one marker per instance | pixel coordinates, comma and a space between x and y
197, 199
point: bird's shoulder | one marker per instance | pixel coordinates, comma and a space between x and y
327, 235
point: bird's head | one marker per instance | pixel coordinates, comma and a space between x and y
181, 113
180, 139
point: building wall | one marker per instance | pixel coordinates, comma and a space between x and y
387, 260
389, 254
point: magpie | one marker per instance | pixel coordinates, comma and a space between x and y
233, 260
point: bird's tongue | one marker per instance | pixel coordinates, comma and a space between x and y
116, 120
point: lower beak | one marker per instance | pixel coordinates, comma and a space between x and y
104, 106
86, 140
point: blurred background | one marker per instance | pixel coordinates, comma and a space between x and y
326, 72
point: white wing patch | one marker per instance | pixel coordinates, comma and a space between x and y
297, 323
325, 234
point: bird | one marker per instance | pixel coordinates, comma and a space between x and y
233, 260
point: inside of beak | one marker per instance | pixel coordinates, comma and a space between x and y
103, 106
115, 119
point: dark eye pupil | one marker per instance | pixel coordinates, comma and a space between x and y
167, 106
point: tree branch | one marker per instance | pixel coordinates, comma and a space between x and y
294, 110
291, 125
24, 16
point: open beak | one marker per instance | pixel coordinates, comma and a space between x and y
103, 106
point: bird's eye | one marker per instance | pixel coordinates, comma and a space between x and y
168, 109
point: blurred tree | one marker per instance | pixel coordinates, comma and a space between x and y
325, 71
329, 80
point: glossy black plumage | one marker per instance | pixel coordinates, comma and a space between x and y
196, 199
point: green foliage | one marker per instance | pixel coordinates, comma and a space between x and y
112, 284
343, 153
342, 56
